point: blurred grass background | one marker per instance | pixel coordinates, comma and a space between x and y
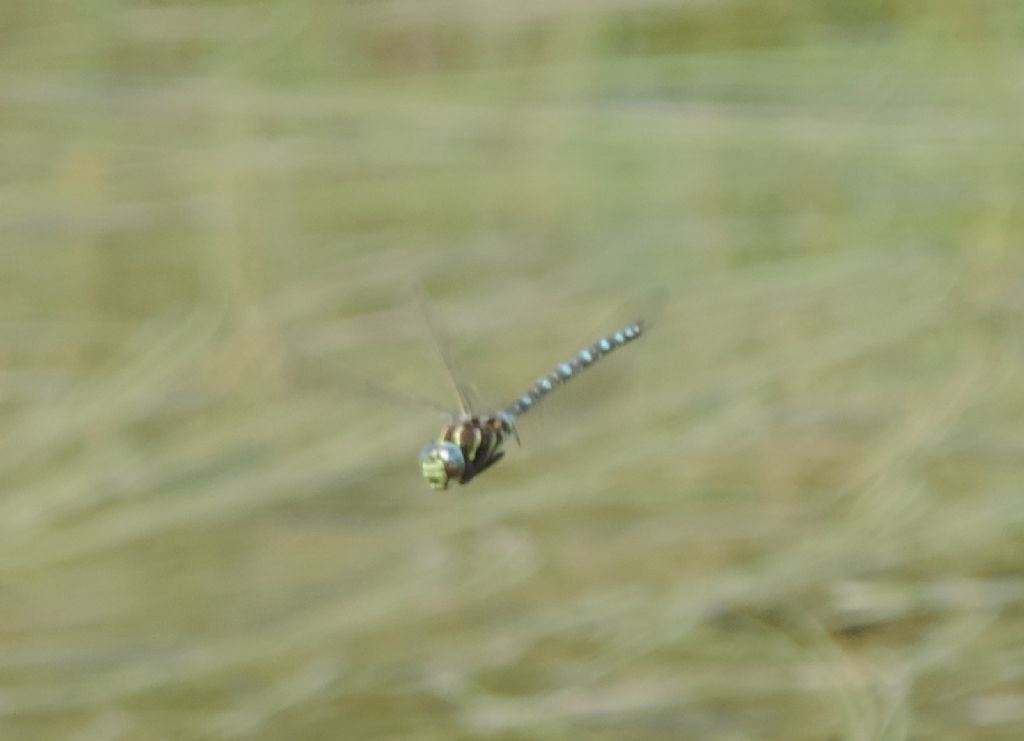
794, 511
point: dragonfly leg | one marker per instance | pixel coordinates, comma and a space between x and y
495, 457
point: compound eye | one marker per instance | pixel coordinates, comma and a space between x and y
441, 462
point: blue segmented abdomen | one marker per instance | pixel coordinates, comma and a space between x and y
572, 368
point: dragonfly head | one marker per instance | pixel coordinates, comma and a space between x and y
442, 462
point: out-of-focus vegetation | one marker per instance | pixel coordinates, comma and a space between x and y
794, 511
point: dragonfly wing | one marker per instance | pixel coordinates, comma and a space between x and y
442, 346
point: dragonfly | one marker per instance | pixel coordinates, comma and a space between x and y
472, 442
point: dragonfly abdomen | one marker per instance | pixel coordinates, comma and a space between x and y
573, 367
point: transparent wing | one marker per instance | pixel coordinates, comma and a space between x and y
442, 346
395, 397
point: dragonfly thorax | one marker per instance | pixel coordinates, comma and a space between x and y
467, 446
